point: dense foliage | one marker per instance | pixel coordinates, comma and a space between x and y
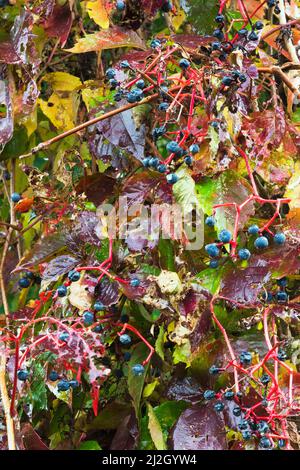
144, 341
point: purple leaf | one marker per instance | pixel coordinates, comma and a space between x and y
199, 428
107, 292
186, 389
59, 266
192, 41
97, 187
127, 434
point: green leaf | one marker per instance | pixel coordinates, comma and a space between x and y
136, 383
155, 429
110, 417
89, 445
184, 191
38, 388
182, 353
159, 343
149, 389
166, 255
211, 278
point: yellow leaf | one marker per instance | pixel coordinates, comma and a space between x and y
293, 188
149, 389
180, 17
61, 111
155, 430
97, 11
92, 94
62, 81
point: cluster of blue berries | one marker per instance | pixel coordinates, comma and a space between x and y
274, 4
281, 295
63, 385
25, 281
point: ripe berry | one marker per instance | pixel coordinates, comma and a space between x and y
253, 230
24, 282
188, 160
163, 106
225, 236
74, 384
253, 36
154, 162
63, 386
184, 64
15, 197
282, 282
218, 33
219, 406
268, 297
243, 425
155, 43
243, 32
213, 370
167, 7
98, 306
246, 435
246, 357
61, 291
265, 443
227, 81
110, 73
216, 46
281, 355
242, 78
229, 395
258, 25
146, 162
219, 18
277, 10
279, 238
262, 427
281, 296
212, 250
53, 376
244, 254
140, 84
172, 178
162, 168
237, 411
173, 147
74, 276
22, 374
6, 175
214, 263
209, 394
281, 443
138, 369
210, 221
124, 64
261, 243
98, 329
120, 5
265, 379
88, 318
194, 148
64, 336
118, 96
127, 356
271, 3
125, 339
135, 282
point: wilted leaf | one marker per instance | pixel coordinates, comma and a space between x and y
61, 109
114, 37
62, 81
59, 23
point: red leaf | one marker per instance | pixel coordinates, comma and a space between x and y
59, 24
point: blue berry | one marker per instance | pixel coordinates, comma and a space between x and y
281, 355
237, 411
214, 124
53, 376
162, 168
219, 18
163, 106
172, 178
188, 160
258, 25
74, 383
124, 64
210, 221
88, 318
22, 374
154, 162
64, 336
246, 435
243, 32
279, 238
253, 230
281, 296
125, 339
281, 443
98, 329
243, 425
167, 6
120, 5
146, 162
113, 83
253, 36
242, 78
209, 394
265, 443
214, 263
6, 175
268, 297
229, 395
212, 250
216, 46
15, 197
218, 33
173, 147
140, 84
110, 73
282, 282
244, 254
227, 81
127, 356
118, 96
135, 282
219, 406
74, 276
164, 91
63, 386
99, 307
138, 369
62, 291
225, 236
24, 282
271, 3
261, 243
213, 370
246, 357
155, 43
135, 95
184, 64
262, 427
265, 379
194, 149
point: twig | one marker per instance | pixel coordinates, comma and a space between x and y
288, 41
6, 406
277, 71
